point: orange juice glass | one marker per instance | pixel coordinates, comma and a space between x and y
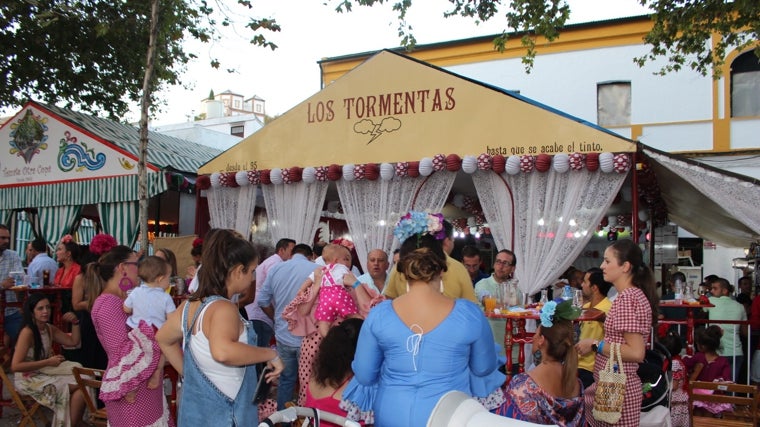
489, 303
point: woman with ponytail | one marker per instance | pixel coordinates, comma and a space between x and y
629, 322
551, 393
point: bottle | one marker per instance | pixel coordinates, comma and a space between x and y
45, 277
678, 292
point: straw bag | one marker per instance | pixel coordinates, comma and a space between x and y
610, 389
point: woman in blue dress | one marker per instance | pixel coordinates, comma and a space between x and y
414, 349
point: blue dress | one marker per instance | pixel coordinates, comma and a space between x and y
401, 373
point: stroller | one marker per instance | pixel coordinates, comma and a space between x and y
656, 377
307, 416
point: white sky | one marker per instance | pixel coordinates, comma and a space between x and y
311, 31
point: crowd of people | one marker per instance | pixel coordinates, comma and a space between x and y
380, 348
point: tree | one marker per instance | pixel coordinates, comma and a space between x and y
91, 53
694, 34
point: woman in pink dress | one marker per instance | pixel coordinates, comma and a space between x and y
628, 323
132, 356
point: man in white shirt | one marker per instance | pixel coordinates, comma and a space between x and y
38, 260
377, 270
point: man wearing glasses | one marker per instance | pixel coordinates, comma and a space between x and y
503, 269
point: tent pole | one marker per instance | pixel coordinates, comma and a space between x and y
635, 199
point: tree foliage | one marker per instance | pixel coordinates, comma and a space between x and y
695, 34
91, 53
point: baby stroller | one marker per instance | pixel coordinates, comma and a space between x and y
656, 377
308, 417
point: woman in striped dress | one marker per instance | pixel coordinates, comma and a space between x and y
628, 323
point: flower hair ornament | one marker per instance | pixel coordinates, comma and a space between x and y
197, 242
102, 243
67, 238
344, 242
558, 309
419, 223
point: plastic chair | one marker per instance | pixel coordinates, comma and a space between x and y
27, 406
456, 409
89, 379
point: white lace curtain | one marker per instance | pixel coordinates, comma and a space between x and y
232, 207
293, 210
740, 198
546, 218
372, 208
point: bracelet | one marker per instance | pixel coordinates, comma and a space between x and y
276, 358
356, 284
601, 346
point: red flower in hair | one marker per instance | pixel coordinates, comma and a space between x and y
344, 242
102, 243
197, 242
67, 238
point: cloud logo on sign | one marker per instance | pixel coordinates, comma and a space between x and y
366, 126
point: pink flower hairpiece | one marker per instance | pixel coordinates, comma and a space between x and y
102, 243
344, 242
197, 242
67, 238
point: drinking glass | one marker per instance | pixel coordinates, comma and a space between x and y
578, 298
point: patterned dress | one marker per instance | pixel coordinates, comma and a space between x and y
630, 313
149, 407
527, 401
679, 400
51, 391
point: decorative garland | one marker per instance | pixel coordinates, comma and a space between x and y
562, 163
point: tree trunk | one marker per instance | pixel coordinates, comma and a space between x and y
142, 190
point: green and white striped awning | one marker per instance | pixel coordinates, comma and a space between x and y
86, 192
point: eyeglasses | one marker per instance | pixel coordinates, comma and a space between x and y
504, 263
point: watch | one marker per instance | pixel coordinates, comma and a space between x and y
595, 346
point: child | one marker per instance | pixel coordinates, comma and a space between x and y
150, 302
707, 365
679, 398
334, 300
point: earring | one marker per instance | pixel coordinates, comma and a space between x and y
407, 286
126, 283
441, 287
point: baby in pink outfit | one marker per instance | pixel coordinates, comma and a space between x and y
334, 300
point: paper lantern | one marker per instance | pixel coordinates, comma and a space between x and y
253, 177
458, 200
621, 163
265, 175
453, 163
498, 163
275, 176
286, 176
358, 171
576, 161
606, 162
241, 177
469, 164
426, 166
203, 182
401, 168
543, 162
231, 181
561, 163
215, 180
439, 162
372, 171
320, 173
348, 172
643, 215
295, 174
592, 161
513, 165
612, 221
484, 162
414, 170
309, 174
334, 172
387, 171
527, 163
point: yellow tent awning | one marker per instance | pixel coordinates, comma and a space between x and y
394, 108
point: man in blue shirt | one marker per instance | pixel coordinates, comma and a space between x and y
38, 260
280, 287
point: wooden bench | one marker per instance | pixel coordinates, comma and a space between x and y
744, 399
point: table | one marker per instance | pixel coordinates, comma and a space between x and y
689, 322
521, 337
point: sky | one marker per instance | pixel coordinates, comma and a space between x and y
313, 30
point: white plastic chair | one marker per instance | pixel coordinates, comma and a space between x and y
456, 409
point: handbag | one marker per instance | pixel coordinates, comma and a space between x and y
610, 389
65, 368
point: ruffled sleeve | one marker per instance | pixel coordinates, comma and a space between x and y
298, 324
138, 360
362, 396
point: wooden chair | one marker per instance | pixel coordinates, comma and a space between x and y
90, 379
26, 406
744, 399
